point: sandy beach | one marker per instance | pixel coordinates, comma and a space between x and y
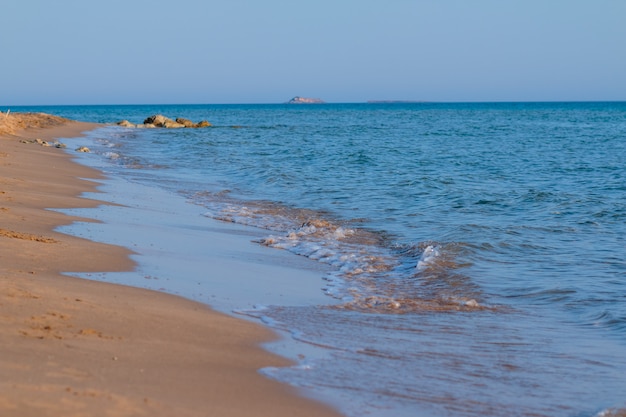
73, 347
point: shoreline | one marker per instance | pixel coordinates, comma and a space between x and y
182, 251
78, 347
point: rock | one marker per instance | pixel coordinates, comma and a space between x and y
184, 122
158, 120
154, 119
305, 100
170, 124
83, 149
42, 142
126, 123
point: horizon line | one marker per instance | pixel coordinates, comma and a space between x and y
322, 103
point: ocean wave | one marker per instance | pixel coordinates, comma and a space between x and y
612, 412
370, 273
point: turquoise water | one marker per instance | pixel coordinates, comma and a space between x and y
477, 250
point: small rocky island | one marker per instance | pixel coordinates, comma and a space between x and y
305, 100
158, 120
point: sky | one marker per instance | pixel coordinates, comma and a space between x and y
252, 51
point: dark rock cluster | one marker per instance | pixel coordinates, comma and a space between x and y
158, 120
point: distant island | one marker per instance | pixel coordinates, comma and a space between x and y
305, 100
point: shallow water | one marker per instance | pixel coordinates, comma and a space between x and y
476, 251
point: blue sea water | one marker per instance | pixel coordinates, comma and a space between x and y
476, 251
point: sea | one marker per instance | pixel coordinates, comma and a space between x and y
474, 254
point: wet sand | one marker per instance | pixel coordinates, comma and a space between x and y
73, 347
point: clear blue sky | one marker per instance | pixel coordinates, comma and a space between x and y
253, 51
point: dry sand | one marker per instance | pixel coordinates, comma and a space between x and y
72, 347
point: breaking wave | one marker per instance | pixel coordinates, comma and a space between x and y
369, 272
